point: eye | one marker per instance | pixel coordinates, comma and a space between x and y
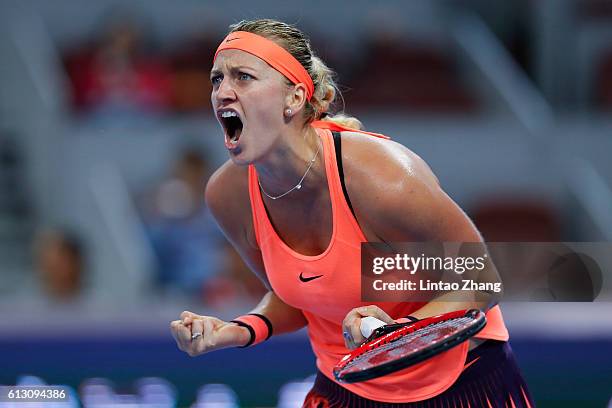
243, 76
216, 80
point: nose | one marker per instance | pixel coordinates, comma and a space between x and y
225, 91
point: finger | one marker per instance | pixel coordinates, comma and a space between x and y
208, 328
206, 342
174, 329
178, 332
348, 338
183, 336
346, 331
352, 336
350, 318
357, 337
376, 312
187, 317
197, 330
382, 315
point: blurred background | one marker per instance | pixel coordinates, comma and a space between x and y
107, 140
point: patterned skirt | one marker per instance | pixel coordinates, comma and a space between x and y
490, 379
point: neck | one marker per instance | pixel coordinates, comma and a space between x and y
285, 164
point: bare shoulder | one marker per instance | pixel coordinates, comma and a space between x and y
227, 197
383, 167
393, 191
227, 182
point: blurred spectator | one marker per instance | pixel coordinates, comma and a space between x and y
603, 81
117, 74
237, 285
401, 73
517, 219
191, 64
183, 234
193, 255
60, 261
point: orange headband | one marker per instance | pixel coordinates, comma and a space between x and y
275, 55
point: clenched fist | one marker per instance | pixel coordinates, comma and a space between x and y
195, 334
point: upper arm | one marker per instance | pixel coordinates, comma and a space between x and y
422, 209
227, 197
400, 199
231, 210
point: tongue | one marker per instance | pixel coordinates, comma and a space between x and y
236, 135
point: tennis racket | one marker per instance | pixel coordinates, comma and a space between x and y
393, 347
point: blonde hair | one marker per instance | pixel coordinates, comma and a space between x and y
326, 90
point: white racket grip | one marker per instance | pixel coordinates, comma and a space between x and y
369, 324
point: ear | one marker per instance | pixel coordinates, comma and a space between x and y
296, 97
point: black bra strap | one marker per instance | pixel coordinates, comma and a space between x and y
338, 148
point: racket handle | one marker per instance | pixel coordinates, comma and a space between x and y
369, 324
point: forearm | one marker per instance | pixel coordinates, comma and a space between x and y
480, 288
284, 318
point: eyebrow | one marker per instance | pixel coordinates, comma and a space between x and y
232, 69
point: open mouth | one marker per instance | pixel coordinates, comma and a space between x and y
232, 123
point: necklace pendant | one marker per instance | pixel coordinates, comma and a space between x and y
299, 184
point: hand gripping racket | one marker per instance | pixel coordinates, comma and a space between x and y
394, 347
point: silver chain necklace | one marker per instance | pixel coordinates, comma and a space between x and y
298, 185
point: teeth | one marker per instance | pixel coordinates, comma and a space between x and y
228, 114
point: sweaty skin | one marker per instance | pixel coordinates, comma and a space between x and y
377, 172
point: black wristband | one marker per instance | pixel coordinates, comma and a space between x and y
249, 328
267, 322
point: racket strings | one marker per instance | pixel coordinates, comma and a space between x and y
415, 340
437, 329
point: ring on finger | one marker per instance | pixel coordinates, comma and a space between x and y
195, 336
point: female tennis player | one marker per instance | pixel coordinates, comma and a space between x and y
302, 190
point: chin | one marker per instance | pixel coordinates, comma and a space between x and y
238, 161
238, 157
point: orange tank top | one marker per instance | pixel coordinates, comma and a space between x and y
327, 299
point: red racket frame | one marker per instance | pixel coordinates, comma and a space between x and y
479, 321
